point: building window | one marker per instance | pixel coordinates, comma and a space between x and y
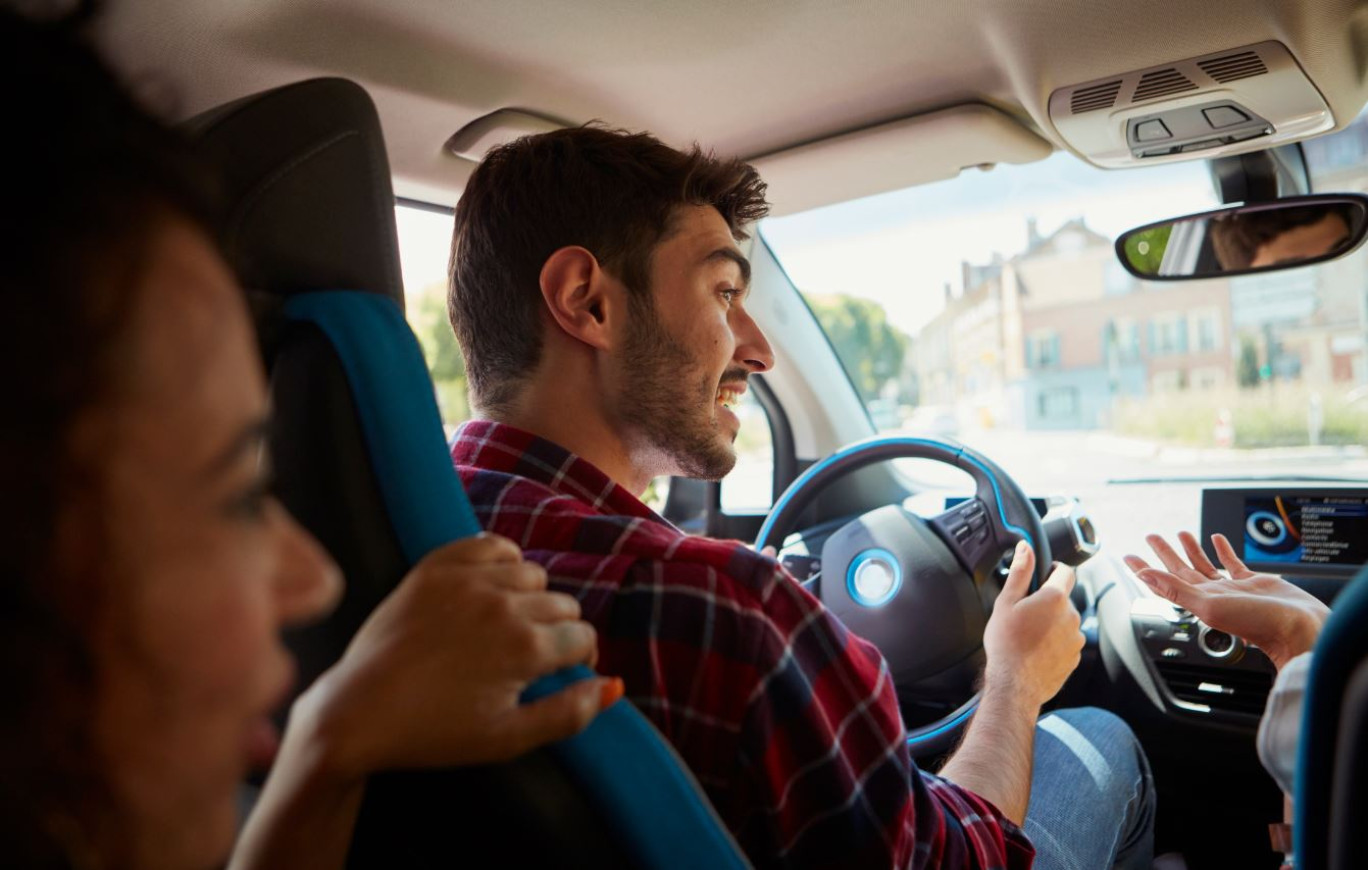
1042, 350
1207, 326
1058, 403
1121, 337
1168, 335
1169, 382
1207, 378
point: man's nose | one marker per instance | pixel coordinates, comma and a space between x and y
308, 582
752, 348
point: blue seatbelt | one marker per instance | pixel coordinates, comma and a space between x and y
622, 764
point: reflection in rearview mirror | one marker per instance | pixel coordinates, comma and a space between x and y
1262, 237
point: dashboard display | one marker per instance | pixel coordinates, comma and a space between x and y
1316, 531
1320, 531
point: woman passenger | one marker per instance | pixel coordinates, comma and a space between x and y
145, 569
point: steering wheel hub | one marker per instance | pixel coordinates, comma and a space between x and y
921, 590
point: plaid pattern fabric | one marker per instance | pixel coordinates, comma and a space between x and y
788, 721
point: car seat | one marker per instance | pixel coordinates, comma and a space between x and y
361, 461
1331, 800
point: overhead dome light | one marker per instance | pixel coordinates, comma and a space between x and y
1243, 99
474, 140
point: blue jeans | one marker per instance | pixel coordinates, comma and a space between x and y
1092, 797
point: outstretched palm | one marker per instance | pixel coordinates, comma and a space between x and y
1264, 609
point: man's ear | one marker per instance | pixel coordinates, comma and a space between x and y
580, 296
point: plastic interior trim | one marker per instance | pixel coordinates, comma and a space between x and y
620, 761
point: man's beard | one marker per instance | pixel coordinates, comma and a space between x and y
670, 402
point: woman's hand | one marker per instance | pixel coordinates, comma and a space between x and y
433, 677
431, 680
1264, 609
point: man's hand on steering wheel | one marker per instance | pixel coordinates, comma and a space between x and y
1032, 642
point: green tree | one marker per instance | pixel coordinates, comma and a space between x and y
428, 317
1247, 368
1145, 249
870, 348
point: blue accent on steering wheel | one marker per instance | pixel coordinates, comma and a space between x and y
844, 452
914, 741
870, 555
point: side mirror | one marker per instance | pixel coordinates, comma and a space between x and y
1262, 237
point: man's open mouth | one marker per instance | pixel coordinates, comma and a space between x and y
729, 395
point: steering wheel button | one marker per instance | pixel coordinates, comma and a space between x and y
874, 577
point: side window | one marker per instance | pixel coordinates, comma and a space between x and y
750, 486
424, 243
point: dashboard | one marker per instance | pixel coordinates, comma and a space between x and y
1314, 532
1315, 536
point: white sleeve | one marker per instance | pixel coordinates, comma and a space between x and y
1281, 723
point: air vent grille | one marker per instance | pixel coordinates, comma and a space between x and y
1233, 67
1161, 83
1094, 97
1225, 689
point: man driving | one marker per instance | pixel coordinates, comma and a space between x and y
1280, 237
600, 297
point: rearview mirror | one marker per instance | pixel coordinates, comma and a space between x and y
1262, 237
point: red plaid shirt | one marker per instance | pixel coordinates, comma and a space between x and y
789, 721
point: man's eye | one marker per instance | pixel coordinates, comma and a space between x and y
730, 294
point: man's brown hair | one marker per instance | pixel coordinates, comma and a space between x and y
1237, 238
611, 192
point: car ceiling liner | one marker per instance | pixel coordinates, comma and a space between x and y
1229, 102
915, 150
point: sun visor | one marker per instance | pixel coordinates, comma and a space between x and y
924, 148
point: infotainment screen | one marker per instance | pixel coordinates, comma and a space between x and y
1326, 530
1322, 531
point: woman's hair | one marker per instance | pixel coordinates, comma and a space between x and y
88, 177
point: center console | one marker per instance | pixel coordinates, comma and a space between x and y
1202, 671
1302, 533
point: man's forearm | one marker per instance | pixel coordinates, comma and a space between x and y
994, 759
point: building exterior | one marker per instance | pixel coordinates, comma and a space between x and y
1054, 337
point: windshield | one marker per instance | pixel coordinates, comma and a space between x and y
991, 309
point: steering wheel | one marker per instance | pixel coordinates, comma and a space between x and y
921, 590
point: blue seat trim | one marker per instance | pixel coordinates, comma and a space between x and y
1342, 645
621, 762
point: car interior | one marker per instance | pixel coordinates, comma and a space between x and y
999, 192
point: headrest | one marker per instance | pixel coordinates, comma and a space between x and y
308, 199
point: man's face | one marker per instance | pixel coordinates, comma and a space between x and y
689, 354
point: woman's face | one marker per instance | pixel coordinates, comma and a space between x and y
201, 567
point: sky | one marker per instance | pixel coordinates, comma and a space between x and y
899, 249
424, 242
